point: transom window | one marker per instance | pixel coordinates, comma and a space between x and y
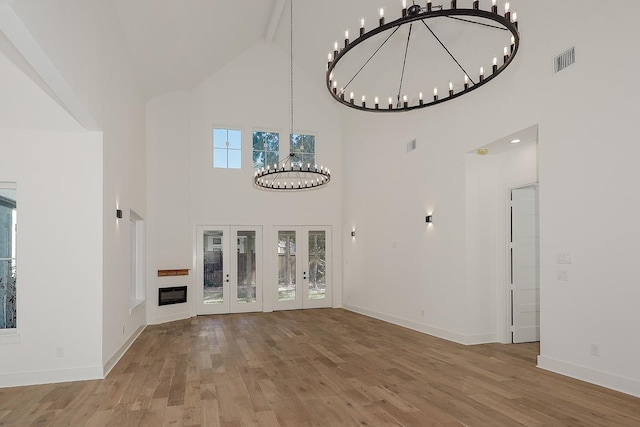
266, 149
227, 148
304, 147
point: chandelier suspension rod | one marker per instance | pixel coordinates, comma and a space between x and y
370, 58
404, 63
448, 51
291, 68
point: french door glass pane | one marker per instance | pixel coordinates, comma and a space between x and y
213, 268
317, 265
246, 266
286, 265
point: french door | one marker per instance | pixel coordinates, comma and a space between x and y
229, 269
303, 267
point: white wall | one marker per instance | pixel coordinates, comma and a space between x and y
83, 42
250, 93
169, 237
59, 184
59, 256
587, 154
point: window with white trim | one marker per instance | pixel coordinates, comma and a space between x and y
304, 147
8, 240
266, 149
227, 148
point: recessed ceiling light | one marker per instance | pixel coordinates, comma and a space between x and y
516, 141
482, 151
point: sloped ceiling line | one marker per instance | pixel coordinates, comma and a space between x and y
276, 15
15, 30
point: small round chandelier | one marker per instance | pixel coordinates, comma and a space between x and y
291, 173
420, 56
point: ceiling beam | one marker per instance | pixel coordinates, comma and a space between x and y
276, 15
17, 32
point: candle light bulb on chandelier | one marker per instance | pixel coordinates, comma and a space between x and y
507, 6
361, 27
381, 16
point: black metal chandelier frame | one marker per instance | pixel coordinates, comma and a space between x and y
289, 171
506, 22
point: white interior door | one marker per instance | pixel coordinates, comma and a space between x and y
303, 267
525, 265
229, 269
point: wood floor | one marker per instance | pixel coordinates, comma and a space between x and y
316, 368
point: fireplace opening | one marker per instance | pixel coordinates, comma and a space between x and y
172, 295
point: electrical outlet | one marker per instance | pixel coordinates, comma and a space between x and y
59, 351
422, 312
563, 275
563, 258
595, 350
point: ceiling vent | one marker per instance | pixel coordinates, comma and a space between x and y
565, 59
411, 145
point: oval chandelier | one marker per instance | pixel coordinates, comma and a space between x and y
419, 26
290, 173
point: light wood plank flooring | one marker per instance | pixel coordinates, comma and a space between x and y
316, 368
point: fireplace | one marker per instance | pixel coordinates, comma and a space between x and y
172, 295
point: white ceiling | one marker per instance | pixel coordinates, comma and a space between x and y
176, 44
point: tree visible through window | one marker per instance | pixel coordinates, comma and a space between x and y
8, 232
266, 149
304, 147
227, 148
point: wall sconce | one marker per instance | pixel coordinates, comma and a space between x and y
353, 233
429, 219
119, 213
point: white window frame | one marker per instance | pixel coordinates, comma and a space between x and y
227, 149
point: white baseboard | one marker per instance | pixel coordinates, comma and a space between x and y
121, 351
170, 318
425, 329
614, 382
19, 379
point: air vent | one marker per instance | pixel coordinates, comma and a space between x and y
564, 60
411, 145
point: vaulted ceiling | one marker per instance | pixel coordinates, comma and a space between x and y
175, 44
